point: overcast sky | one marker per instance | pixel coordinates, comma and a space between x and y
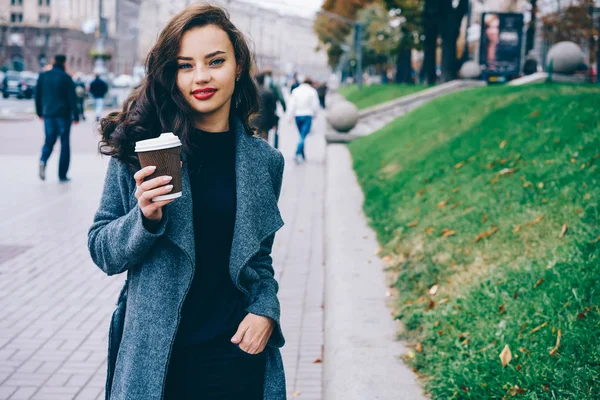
305, 8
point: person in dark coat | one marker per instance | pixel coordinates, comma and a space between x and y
98, 89
198, 317
81, 94
56, 105
267, 118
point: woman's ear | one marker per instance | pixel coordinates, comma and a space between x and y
238, 73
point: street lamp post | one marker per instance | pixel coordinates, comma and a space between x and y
100, 67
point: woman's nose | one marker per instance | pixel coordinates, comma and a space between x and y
202, 74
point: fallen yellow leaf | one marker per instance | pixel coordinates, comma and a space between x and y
419, 347
587, 196
539, 282
485, 218
534, 114
555, 349
537, 328
442, 204
429, 231
538, 219
486, 234
459, 165
503, 144
448, 233
563, 231
413, 224
516, 228
505, 356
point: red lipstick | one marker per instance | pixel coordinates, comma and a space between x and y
204, 94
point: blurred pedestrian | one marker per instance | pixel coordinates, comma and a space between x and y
274, 87
303, 105
202, 316
322, 92
267, 118
56, 105
81, 93
295, 83
98, 89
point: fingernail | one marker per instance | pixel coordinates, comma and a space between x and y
152, 168
167, 178
169, 187
234, 339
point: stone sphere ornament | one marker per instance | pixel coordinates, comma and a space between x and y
565, 57
470, 70
343, 116
333, 98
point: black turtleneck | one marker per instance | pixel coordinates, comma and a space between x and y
213, 306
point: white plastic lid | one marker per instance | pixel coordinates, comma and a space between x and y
164, 141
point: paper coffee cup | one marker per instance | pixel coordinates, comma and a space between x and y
164, 152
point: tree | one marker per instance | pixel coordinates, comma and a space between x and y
333, 32
450, 18
406, 15
574, 24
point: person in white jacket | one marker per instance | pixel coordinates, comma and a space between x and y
303, 105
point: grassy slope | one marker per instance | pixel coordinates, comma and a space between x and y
524, 161
375, 94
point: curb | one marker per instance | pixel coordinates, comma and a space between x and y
361, 352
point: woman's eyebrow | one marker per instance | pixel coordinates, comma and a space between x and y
214, 53
210, 55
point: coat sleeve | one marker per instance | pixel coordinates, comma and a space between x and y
38, 96
263, 293
118, 239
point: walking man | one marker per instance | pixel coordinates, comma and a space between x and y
56, 105
303, 105
98, 89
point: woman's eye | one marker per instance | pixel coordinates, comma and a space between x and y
184, 66
218, 61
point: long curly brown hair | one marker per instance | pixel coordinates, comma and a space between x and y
158, 106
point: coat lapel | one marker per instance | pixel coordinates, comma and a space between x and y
257, 214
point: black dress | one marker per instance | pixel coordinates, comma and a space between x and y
204, 364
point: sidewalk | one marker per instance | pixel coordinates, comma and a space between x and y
55, 304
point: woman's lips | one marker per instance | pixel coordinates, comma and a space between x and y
204, 94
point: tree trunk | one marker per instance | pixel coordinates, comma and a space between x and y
449, 32
404, 66
530, 39
430, 30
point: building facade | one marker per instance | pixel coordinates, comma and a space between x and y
33, 31
285, 43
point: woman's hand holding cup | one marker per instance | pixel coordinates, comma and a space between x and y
150, 189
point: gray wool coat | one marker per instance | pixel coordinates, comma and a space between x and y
160, 266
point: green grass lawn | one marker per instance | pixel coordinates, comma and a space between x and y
372, 95
485, 203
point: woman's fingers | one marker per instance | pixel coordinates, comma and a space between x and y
143, 173
150, 194
154, 183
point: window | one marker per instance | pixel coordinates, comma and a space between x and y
44, 19
16, 17
16, 2
47, 2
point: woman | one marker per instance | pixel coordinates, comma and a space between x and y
202, 317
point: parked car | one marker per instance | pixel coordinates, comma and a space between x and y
19, 84
28, 84
11, 84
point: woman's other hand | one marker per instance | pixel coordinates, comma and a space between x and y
253, 333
